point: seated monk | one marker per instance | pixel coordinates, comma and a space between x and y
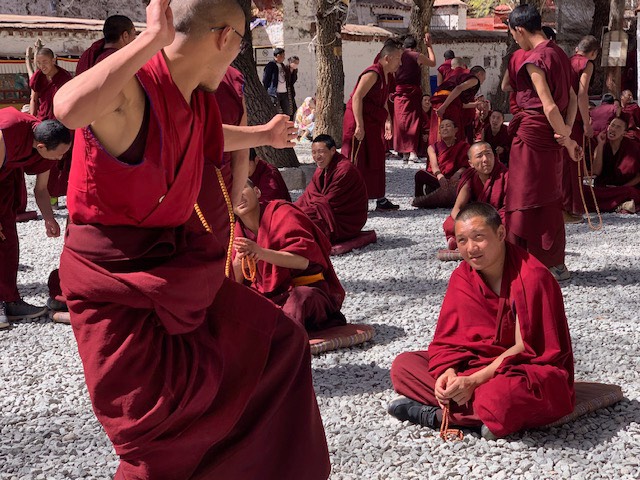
497, 135
501, 357
286, 258
267, 178
616, 165
336, 198
447, 161
425, 122
631, 113
604, 113
485, 181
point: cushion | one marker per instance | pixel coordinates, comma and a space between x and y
339, 337
590, 397
449, 255
26, 216
362, 239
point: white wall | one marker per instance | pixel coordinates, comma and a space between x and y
61, 43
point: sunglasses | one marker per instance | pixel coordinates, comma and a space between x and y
244, 44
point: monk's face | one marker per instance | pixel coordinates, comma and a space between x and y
426, 103
394, 61
54, 154
321, 154
626, 97
249, 201
46, 64
481, 158
480, 245
225, 43
448, 129
615, 130
496, 119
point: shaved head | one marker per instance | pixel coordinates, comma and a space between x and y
196, 17
457, 62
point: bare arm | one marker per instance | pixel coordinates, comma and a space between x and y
33, 103
367, 81
634, 181
249, 248
278, 133
43, 200
430, 58
28, 59
572, 109
239, 167
596, 165
506, 82
461, 200
583, 99
433, 161
439, 78
455, 93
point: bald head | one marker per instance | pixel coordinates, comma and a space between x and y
196, 18
457, 63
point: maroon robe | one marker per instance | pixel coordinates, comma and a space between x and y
534, 198
445, 68
21, 157
336, 200
631, 114
425, 123
187, 380
370, 159
230, 97
269, 180
501, 139
479, 124
450, 160
601, 117
515, 62
530, 389
285, 228
92, 55
407, 103
493, 192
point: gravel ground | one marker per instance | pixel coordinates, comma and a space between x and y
48, 430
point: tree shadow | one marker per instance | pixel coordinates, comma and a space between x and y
350, 379
406, 286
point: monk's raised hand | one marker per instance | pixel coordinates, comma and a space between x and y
160, 21
440, 112
427, 39
282, 132
52, 228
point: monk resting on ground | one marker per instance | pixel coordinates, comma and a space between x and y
267, 178
501, 356
498, 137
336, 198
436, 186
286, 258
485, 181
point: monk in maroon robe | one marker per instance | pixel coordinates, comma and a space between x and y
444, 69
501, 354
407, 98
268, 179
425, 123
616, 165
191, 374
437, 185
547, 106
32, 147
497, 135
509, 79
485, 181
291, 261
602, 115
367, 121
118, 31
336, 197
631, 114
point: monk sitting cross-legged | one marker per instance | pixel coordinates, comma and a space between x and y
286, 258
485, 181
436, 186
501, 357
336, 198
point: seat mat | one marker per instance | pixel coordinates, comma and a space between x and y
339, 337
449, 255
590, 396
364, 238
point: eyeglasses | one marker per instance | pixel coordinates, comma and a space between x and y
243, 43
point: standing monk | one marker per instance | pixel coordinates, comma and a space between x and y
367, 122
186, 379
407, 108
545, 99
26, 146
118, 31
445, 67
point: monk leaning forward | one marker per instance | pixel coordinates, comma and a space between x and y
501, 357
186, 379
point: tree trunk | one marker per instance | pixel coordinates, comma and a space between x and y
613, 74
600, 20
420, 23
330, 72
259, 107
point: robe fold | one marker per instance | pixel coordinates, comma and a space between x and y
530, 389
92, 55
493, 192
407, 102
285, 228
370, 158
186, 378
20, 158
336, 200
269, 180
501, 139
534, 199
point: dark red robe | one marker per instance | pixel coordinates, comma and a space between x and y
445, 68
501, 139
534, 198
285, 228
269, 180
530, 389
92, 55
371, 152
450, 160
230, 95
407, 102
188, 380
631, 113
601, 117
20, 158
336, 200
515, 62
493, 192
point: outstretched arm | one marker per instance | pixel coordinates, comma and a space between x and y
278, 133
248, 248
430, 58
506, 82
455, 93
43, 200
583, 99
367, 81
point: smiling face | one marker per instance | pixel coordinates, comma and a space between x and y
615, 130
480, 245
46, 64
426, 103
481, 158
321, 154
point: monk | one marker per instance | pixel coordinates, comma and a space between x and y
268, 179
485, 181
367, 121
407, 97
336, 197
482, 117
582, 70
425, 122
602, 115
290, 261
186, 379
541, 128
616, 165
497, 135
631, 114
445, 67
118, 31
26, 146
501, 357
455, 100
447, 161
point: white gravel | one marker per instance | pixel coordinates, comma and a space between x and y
48, 430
